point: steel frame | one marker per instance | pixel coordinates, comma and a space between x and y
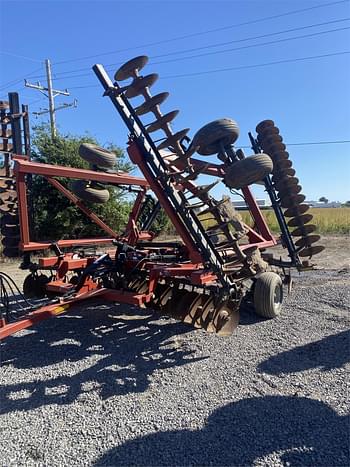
24, 167
204, 267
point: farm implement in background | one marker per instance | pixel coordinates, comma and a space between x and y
14, 139
203, 276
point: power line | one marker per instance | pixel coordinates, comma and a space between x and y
209, 31
18, 80
253, 45
308, 143
187, 36
21, 56
254, 37
219, 70
242, 67
36, 101
191, 35
69, 72
223, 51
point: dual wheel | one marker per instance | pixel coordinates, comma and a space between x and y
218, 136
97, 157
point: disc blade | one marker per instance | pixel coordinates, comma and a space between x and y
300, 220
207, 313
131, 68
263, 125
7, 207
296, 210
151, 103
290, 191
311, 251
162, 121
290, 201
139, 85
307, 241
194, 311
228, 325
304, 230
8, 195
6, 184
174, 139
275, 148
182, 306
272, 139
286, 183
280, 173
268, 131
281, 163
280, 155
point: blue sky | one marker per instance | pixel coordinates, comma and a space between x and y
309, 99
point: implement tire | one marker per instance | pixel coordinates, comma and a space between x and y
84, 191
268, 295
96, 155
250, 170
210, 136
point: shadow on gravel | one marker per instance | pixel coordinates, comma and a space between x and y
94, 350
247, 314
327, 353
300, 431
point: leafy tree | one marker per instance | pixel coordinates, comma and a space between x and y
54, 216
323, 200
347, 204
161, 223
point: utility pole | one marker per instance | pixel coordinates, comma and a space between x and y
51, 99
50, 93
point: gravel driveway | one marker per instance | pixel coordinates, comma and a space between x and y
114, 385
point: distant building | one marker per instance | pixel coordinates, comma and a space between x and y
319, 204
241, 204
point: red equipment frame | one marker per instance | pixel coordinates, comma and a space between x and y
24, 167
260, 237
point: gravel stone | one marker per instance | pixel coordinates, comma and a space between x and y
112, 385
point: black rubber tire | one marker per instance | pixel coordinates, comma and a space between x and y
9, 219
223, 131
35, 286
11, 252
250, 170
85, 192
10, 230
268, 295
11, 242
97, 156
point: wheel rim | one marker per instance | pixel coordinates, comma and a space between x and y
278, 296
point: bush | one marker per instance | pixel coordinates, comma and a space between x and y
54, 216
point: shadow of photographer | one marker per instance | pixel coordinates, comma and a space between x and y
287, 430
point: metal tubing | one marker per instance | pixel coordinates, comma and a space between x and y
257, 215
48, 170
75, 200
15, 123
22, 208
135, 155
31, 246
